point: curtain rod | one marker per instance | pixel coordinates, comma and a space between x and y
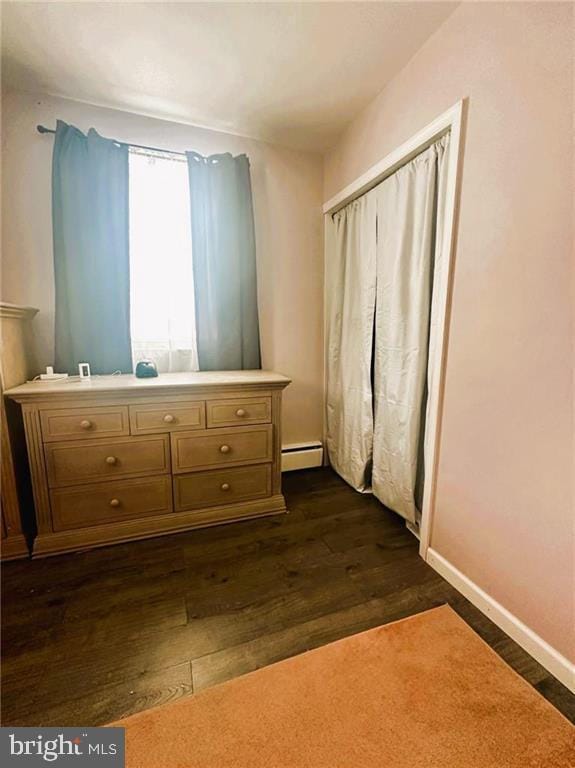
43, 129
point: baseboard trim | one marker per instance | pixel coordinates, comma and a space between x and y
545, 654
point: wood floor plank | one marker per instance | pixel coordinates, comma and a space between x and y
382, 529
68, 668
92, 636
27, 633
122, 622
232, 588
259, 620
113, 702
230, 662
558, 695
334, 500
240, 659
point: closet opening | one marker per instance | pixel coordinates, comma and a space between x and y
389, 251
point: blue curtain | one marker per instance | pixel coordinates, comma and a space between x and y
224, 261
91, 251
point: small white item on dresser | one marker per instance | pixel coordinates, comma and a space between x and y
51, 376
84, 371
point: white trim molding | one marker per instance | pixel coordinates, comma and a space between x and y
554, 662
450, 122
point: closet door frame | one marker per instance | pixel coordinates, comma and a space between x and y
452, 122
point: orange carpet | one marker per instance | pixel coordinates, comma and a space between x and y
419, 693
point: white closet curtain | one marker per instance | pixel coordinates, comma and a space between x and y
383, 251
350, 306
407, 206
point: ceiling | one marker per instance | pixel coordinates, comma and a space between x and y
291, 73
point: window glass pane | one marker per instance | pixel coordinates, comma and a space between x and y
161, 277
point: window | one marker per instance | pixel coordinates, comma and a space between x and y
161, 275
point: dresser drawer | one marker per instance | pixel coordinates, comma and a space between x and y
221, 447
167, 417
222, 486
73, 463
113, 502
229, 413
84, 423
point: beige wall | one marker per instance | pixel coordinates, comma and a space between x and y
287, 201
504, 513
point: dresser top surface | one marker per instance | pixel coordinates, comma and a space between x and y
165, 382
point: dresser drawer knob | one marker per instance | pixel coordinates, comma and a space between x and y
224, 449
85, 424
168, 418
111, 460
240, 412
225, 486
115, 502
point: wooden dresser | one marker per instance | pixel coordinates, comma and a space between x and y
15, 367
118, 458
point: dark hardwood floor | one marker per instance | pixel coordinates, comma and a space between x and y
91, 637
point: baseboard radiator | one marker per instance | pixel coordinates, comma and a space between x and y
302, 456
